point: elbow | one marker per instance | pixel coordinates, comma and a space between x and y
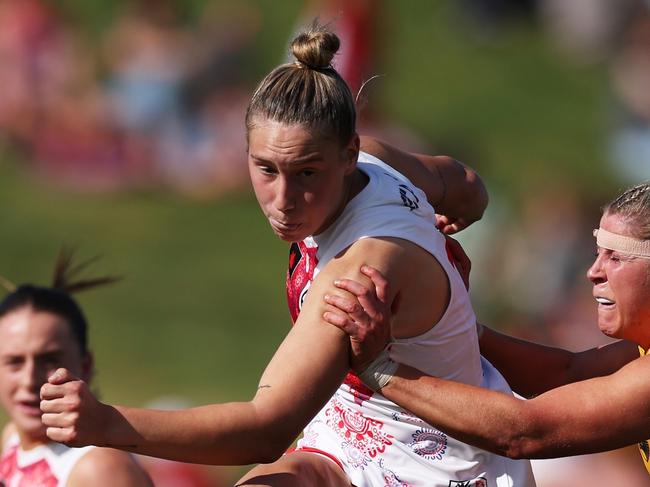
470, 194
476, 193
516, 449
524, 439
270, 452
272, 441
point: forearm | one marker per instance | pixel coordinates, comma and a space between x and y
448, 406
219, 434
571, 420
451, 187
529, 368
532, 369
464, 194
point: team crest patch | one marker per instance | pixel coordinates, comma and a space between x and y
410, 200
302, 265
429, 443
477, 482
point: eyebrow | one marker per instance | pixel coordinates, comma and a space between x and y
296, 162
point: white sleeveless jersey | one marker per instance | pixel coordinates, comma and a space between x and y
376, 442
47, 465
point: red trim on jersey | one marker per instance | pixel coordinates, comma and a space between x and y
316, 450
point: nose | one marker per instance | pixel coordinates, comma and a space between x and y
595, 273
32, 377
285, 196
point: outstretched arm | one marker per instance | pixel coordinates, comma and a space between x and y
305, 371
455, 191
569, 420
579, 418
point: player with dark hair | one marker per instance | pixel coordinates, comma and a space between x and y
42, 328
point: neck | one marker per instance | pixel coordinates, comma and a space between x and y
354, 183
28, 442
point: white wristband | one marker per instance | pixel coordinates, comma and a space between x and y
379, 372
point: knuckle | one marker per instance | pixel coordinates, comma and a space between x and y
71, 435
74, 404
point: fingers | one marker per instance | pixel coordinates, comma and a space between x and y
346, 305
61, 376
378, 279
67, 436
52, 391
340, 321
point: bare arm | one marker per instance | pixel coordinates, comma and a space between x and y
532, 369
584, 417
569, 420
453, 189
295, 385
105, 467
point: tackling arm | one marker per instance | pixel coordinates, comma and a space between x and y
579, 418
532, 369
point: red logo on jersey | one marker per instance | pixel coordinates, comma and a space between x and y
38, 473
302, 264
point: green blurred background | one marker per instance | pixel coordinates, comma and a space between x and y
201, 307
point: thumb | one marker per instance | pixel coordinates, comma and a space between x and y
61, 376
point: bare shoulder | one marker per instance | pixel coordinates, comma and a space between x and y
402, 262
104, 467
387, 254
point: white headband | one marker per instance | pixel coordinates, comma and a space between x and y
621, 243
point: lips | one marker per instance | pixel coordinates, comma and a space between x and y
604, 301
30, 408
284, 226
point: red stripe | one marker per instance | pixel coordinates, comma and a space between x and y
320, 452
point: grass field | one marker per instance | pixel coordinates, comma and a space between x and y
202, 305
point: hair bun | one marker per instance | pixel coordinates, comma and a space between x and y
316, 47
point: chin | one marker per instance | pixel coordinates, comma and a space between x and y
32, 429
608, 331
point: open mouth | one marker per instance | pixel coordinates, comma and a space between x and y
604, 301
31, 408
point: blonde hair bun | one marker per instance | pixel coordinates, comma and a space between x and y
316, 47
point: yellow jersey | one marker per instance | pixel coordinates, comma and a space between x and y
644, 446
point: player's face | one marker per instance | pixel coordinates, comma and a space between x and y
622, 288
33, 345
300, 178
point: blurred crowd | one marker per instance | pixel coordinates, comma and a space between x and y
158, 99
155, 99
593, 32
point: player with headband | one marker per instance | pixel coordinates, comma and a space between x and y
584, 402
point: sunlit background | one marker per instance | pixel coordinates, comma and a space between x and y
121, 133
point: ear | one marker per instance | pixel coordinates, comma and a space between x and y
87, 367
351, 154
